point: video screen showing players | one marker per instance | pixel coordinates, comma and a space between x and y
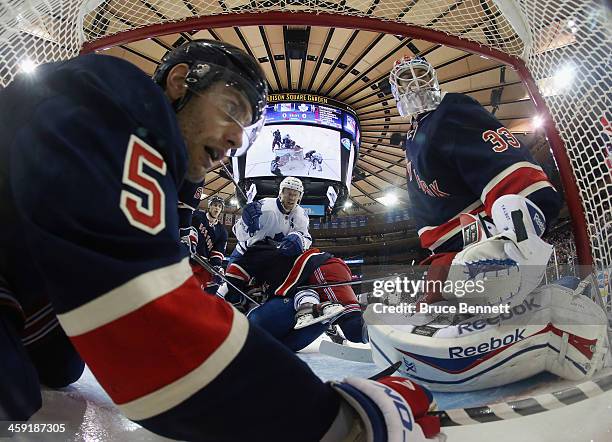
295, 150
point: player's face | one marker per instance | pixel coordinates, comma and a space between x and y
215, 210
289, 198
212, 123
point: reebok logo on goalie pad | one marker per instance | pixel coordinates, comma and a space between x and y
485, 347
527, 306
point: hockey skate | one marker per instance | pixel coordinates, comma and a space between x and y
309, 314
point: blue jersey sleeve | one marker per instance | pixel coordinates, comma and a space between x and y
491, 160
94, 183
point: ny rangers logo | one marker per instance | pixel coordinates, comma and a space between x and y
429, 189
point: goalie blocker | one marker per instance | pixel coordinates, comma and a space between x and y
507, 258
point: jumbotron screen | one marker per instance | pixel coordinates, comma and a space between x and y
295, 150
315, 138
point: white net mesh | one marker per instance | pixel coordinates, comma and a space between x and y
561, 41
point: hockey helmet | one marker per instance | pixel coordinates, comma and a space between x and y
212, 61
414, 86
216, 200
293, 183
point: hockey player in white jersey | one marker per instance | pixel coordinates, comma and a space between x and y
279, 219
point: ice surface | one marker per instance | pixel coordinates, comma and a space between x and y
91, 415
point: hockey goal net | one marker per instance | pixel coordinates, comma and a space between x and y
543, 40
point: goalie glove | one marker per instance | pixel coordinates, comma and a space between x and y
216, 280
391, 409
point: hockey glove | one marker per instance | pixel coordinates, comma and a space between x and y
391, 409
189, 237
217, 279
291, 245
250, 217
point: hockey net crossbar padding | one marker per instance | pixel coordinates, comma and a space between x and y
545, 41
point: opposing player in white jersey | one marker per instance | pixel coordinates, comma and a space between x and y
278, 219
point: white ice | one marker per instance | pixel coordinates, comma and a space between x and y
91, 416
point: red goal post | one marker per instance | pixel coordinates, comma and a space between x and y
537, 38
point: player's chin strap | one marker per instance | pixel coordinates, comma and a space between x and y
209, 268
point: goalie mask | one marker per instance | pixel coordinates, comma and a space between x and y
414, 86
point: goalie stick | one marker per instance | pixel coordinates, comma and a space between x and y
209, 268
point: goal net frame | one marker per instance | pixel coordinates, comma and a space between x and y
581, 201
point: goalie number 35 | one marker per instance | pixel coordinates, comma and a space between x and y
147, 214
501, 139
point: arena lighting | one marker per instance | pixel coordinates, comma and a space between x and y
571, 24
347, 204
537, 121
27, 66
564, 77
388, 200
234, 202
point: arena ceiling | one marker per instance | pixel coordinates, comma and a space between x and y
352, 66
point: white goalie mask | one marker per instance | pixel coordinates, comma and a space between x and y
414, 86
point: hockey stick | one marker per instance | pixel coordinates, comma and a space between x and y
209, 268
387, 371
340, 351
342, 283
233, 180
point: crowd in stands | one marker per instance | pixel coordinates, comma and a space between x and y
562, 239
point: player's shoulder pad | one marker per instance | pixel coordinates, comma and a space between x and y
453, 98
459, 105
198, 214
120, 87
268, 204
464, 112
302, 212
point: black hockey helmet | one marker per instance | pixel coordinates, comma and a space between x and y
213, 61
218, 200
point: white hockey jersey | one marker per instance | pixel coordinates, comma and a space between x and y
274, 224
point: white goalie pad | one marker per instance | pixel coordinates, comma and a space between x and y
554, 329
